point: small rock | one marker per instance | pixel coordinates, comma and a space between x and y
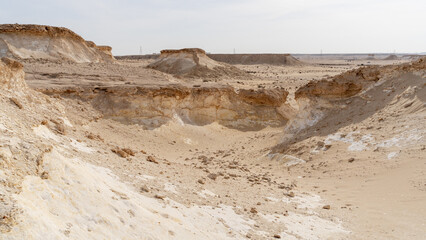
351, 160
200, 181
16, 102
408, 104
151, 159
94, 137
326, 207
44, 175
144, 188
212, 176
290, 194
253, 210
120, 152
277, 236
159, 196
129, 151
60, 128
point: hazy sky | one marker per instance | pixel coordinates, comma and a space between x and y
249, 26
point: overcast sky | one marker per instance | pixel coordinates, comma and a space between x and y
249, 26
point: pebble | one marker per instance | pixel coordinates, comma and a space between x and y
326, 207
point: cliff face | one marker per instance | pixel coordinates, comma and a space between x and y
51, 43
194, 63
152, 107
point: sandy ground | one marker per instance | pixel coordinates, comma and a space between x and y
360, 179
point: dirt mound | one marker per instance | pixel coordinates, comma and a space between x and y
391, 57
51, 43
250, 59
194, 63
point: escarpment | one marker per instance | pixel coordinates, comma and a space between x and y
49, 43
353, 96
350, 83
153, 106
251, 59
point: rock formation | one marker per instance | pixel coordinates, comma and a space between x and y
391, 57
355, 94
194, 63
249, 59
154, 106
51, 43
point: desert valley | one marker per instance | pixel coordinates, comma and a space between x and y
188, 144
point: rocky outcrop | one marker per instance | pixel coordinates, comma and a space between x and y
154, 106
11, 75
344, 85
194, 63
391, 57
355, 94
107, 50
51, 43
354, 81
250, 59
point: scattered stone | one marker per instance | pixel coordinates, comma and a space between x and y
142, 151
200, 181
120, 152
144, 188
351, 160
326, 207
44, 175
253, 210
151, 159
16, 102
94, 137
212, 176
129, 151
277, 236
60, 127
159, 196
290, 194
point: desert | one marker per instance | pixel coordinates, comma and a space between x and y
188, 144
